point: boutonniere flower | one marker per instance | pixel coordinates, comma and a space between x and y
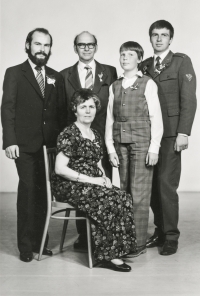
144, 70
100, 77
134, 86
51, 80
161, 68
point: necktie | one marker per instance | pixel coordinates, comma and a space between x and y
89, 78
158, 63
40, 79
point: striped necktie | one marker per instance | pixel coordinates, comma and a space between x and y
89, 78
158, 63
40, 79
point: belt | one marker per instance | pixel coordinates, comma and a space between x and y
130, 118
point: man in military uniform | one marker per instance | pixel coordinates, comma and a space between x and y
176, 81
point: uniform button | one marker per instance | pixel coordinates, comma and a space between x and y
125, 92
123, 130
44, 122
45, 109
123, 104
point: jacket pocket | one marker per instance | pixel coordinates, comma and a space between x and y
173, 111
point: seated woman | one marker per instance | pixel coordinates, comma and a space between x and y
80, 180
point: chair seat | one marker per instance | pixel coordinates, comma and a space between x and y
62, 205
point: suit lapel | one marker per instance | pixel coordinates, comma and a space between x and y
100, 77
74, 77
28, 73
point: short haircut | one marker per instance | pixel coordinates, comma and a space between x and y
134, 46
160, 25
82, 95
30, 37
75, 39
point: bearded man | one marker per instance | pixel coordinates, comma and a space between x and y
33, 114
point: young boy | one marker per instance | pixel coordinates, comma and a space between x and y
133, 133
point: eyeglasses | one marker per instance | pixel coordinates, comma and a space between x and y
89, 45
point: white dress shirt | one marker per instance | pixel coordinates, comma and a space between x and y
155, 114
162, 56
82, 71
35, 71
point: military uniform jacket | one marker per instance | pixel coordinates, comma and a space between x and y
28, 119
176, 90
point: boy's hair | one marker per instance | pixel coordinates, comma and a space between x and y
160, 25
134, 46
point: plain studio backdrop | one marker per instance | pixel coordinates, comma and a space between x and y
113, 22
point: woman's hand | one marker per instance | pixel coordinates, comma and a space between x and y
103, 181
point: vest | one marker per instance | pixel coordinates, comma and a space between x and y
131, 113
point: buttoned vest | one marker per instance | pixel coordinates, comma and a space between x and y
131, 115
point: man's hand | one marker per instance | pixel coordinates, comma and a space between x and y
114, 160
151, 158
12, 152
181, 143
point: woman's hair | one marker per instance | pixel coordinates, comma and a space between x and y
82, 95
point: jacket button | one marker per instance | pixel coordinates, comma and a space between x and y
45, 109
123, 130
125, 92
44, 122
123, 104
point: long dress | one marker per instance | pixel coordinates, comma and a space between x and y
110, 209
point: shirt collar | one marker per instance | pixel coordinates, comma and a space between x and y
81, 65
34, 65
139, 73
163, 55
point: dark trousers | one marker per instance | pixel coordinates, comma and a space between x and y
136, 179
81, 224
31, 200
164, 199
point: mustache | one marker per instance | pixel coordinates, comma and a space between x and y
41, 52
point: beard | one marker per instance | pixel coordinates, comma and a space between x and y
38, 61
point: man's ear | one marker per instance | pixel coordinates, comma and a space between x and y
96, 48
75, 49
170, 41
27, 45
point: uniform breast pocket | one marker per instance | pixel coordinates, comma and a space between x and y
169, 82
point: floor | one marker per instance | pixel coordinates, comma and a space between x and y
67, 273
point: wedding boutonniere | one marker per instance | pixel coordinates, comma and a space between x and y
144, 70
134, 86
51, 80
161, 68
100, 77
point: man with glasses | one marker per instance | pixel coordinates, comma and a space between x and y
88, 73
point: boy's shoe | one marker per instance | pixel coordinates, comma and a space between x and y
141, 250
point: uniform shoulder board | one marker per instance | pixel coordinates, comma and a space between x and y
149, 59
178, 54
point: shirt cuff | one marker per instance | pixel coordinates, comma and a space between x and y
154, 148
183, 135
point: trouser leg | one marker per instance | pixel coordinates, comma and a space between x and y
140, 187
31, 201
165, 201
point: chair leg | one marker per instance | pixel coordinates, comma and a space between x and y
44, 236
67, 213
89, 242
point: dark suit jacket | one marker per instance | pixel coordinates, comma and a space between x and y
28, 120
176, 90
101, 88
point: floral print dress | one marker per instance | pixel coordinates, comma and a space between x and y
110, 209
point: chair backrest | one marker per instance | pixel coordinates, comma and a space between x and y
49, 162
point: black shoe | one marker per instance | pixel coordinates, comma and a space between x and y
154, 241
46, 251
81, 243
26, 257
169, 248
109, 265
140, 251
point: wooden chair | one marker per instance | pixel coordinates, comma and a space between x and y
49, 159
